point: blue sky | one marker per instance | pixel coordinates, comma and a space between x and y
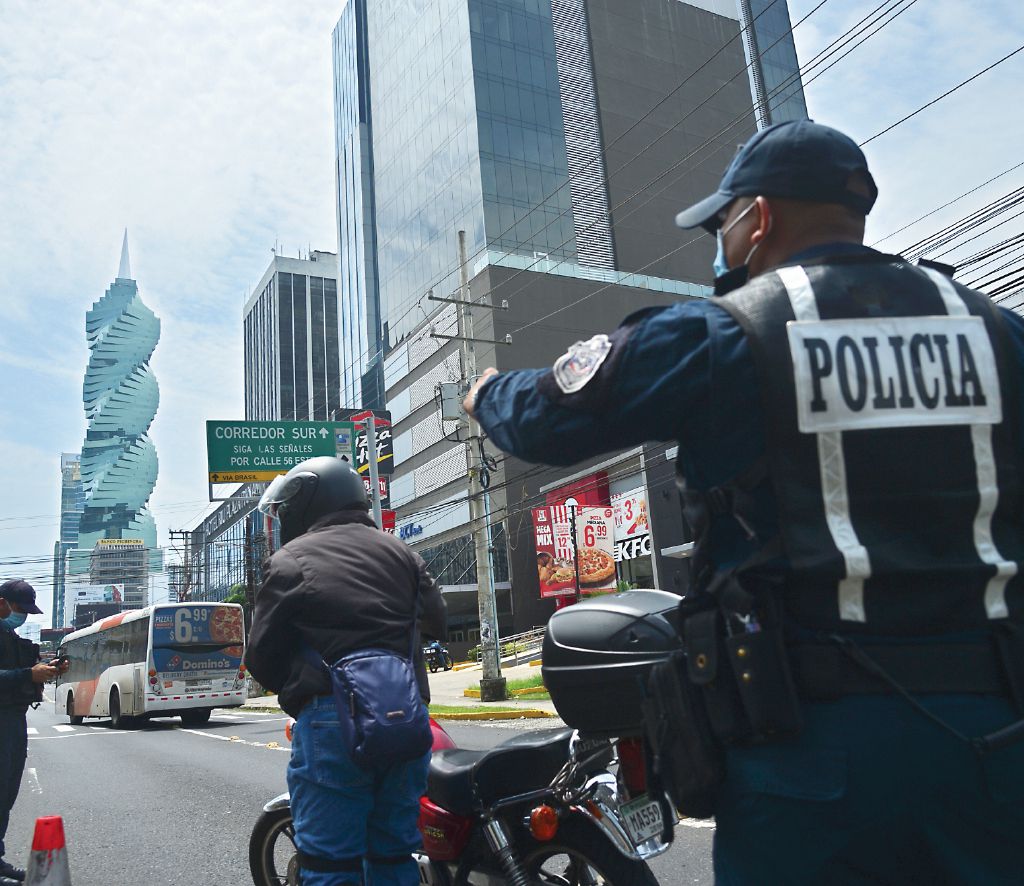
209, 136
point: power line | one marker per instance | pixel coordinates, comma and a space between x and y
939, 98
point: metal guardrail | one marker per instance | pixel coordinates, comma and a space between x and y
524, 646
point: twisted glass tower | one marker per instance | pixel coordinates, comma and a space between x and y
120, 394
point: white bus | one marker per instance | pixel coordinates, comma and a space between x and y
174, 659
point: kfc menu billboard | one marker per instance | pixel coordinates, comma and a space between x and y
556, 564
555, 570
595, 529
632, 525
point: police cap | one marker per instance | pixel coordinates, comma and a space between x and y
19, 591
799, 160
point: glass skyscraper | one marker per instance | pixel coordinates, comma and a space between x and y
120, 394
118, 461
72, 502
774, 70
490, 116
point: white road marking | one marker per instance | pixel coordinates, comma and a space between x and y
77, 735
234, 739
64, 728
33, 781
32, 730
697, 823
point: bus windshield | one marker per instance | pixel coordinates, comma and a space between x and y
191, 641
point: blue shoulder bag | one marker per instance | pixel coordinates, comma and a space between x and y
383, 718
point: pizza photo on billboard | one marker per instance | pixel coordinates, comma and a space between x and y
596, 567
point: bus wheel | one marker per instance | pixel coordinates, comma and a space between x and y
117, 719
196, 717
73, 718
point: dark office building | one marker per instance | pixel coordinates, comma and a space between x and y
290, 325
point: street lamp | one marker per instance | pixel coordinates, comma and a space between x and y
573, 506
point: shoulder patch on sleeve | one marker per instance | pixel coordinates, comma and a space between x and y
580, 363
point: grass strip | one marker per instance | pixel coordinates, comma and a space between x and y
467, 709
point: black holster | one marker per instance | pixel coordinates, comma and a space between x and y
732, 684
686, 758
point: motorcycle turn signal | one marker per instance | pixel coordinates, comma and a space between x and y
543, 823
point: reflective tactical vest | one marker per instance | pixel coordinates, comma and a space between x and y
893, 439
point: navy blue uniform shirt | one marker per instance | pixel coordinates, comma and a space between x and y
658, 383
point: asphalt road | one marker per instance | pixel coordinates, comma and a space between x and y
168, 805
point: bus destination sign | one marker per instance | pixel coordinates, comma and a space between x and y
256, 451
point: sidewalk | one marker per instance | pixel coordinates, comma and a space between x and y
446, 689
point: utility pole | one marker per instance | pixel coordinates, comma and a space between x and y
185, 537
492, 684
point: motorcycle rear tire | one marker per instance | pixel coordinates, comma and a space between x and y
581, 842
269, 828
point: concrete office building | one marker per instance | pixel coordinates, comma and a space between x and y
290, 327
562, 136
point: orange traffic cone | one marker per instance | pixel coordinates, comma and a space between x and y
48, 861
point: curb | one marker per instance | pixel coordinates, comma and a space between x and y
525, 714
469, 692
465, 665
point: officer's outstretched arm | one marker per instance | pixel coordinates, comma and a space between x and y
603, 394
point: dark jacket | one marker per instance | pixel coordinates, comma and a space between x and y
17, 655
343, 585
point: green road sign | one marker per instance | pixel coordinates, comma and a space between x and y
251, 451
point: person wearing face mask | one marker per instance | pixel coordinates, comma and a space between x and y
849, 430
21, 683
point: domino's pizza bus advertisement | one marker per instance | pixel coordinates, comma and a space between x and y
192, 642
556, 566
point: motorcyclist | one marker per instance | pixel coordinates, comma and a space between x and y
338, 585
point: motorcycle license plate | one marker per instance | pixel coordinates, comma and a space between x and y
642, 818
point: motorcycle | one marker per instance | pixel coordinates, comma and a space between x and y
544, 807
437, 657
557, 807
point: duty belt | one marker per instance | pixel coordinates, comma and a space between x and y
826, 671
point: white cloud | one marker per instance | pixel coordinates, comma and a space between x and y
945, 150
207, 130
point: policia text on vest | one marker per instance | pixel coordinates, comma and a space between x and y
893, 372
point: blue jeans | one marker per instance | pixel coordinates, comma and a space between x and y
874, 793
343, 812
13, 750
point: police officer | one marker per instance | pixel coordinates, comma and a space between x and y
338, 585
21, 679
849, 432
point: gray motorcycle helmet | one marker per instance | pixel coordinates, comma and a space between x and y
312, 490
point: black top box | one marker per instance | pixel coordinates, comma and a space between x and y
597, 654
